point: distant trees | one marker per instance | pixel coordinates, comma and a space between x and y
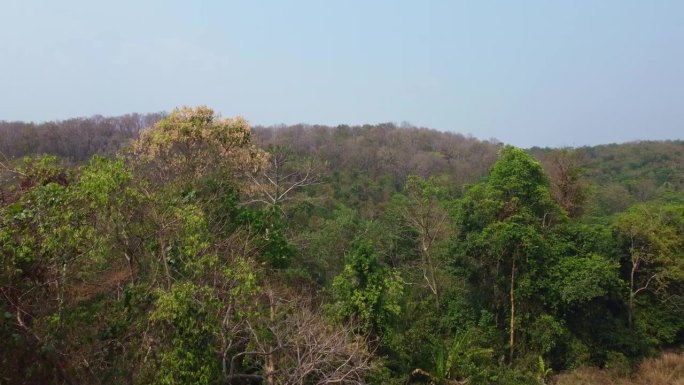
386, 149
77, 139
609, 178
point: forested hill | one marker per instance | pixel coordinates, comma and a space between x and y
200, 250
387, 150
76, 139
615, 175
383, 149
622, 174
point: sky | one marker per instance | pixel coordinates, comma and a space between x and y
528, 73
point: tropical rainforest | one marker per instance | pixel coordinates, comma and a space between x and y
187, 248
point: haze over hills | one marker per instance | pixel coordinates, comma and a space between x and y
523, 225
546, 74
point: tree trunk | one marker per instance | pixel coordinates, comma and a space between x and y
632, 292
429, 273
269, 364
511, 339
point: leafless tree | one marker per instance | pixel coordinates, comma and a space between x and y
426, 214
283, 175
299, 346
568, 186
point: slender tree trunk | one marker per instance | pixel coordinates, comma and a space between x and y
269, 365
498, 302
429, 273
428, 266
511, 339
632, 292
630, 310
434, 282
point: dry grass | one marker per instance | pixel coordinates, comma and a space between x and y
668, 369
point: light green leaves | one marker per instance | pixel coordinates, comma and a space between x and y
367, 290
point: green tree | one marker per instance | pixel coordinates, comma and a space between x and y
651, 240
185, 317
366, 290
59, 264
504, 224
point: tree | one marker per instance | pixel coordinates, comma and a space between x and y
282, 176
651, 240
193, 142
366, 291
503, 223
207, 251
56, 263
568, 186
186, 321
424, 209
296, 345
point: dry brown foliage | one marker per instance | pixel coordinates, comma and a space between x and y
668, 369
192, 142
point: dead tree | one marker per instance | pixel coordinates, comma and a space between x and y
301, 347
282, 176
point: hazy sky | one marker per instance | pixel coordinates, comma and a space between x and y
525, 72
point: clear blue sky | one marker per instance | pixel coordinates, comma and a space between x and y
528, 73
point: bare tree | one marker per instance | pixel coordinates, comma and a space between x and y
426, 214
299, 346
568, 186
282, 176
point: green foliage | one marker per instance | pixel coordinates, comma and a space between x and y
187, 326
543, 372
650, 241
275, 250
463, 359
158, 267
366, 290
618, 363
101, 180
579, 280
504, 243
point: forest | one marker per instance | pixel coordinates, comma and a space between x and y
188, 248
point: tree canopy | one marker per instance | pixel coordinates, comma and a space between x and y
189, 248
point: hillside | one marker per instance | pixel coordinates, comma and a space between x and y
618, 174
201, 250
